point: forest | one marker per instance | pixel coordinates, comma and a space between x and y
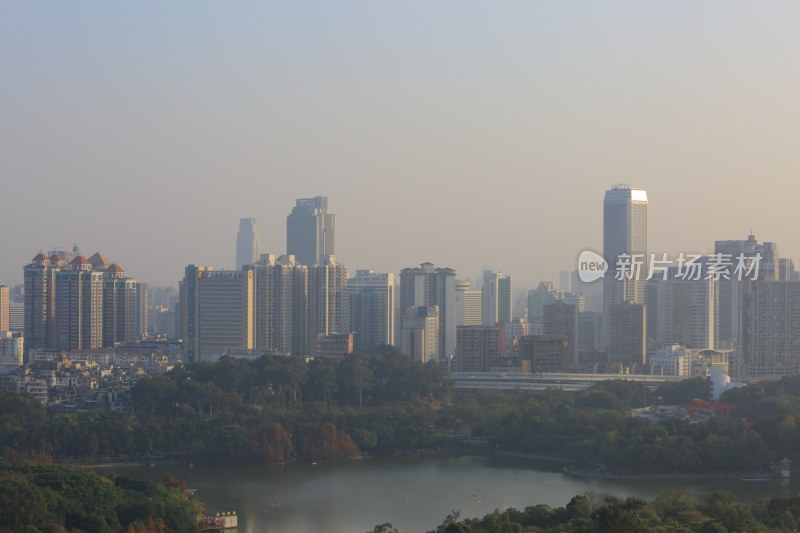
275, 409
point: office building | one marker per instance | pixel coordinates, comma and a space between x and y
216, 310
624, 235
372, 307
542, 295
248, 245
496, 299
311, 231
11, 349
478, 348
428, 286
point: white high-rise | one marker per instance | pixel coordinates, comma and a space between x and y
248, 246
496, 298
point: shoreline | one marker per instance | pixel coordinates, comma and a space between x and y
576, 471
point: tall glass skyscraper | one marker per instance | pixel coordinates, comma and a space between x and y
625, 239
248, 246
311, 231
624, 232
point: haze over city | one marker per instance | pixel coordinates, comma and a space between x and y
467, 135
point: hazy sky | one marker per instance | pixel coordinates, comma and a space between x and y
467, 134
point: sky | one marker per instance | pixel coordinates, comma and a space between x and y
469, 134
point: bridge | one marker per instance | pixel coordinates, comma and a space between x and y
544, 381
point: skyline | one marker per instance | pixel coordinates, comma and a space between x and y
493, 133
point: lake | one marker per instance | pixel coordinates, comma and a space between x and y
414, 494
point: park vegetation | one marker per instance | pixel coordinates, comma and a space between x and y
274, 409
51, 498
671, 511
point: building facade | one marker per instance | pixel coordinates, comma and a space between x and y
311, 231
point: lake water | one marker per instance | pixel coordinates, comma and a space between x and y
414, 494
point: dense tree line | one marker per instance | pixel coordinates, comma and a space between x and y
276, 408
672, 511
49, 498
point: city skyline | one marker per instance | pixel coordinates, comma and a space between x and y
462, 125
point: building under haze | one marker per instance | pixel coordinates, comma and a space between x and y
496, 298
419, 336
5, 309
468, 304
624, 239
311, 231
216, 312
281, 305
79, 306
429, 286
248, 245
771, 327
328, 310
372, 304
479, 348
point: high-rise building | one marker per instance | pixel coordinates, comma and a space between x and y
542, 295
732, 293
248, 246
216, 312
40, 301
772, 328
142, 310
561, 318
546, 353
686, 312
372, 303
419, 337
496, 299
479, 348
120, 310
16, 316
79, 306
429, 286
627, 336
11, 349
624, 235
327, 299
5, 309
281, 305
468, 304
311, 231
624, 243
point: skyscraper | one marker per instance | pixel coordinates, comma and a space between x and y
311, 231
40, 301
248, 246
772, 328
624, 240
468, 304
495, 298
624, 233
